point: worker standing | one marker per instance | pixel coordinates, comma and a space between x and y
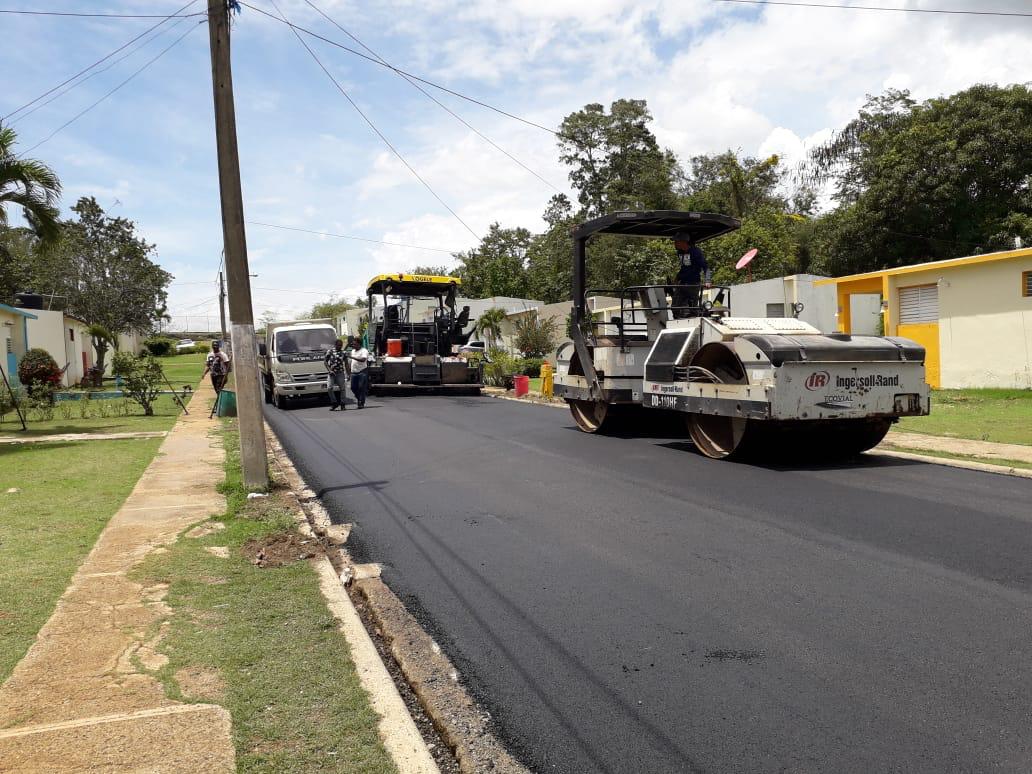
359, 378
216, 364
691, 274
337, 375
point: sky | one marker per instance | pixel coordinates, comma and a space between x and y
716, 75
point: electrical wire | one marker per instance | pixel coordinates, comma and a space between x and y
86, 110
373, 126
398, 70
349, 236
431, 97
90, 15
896, 9
98, 62
95, 73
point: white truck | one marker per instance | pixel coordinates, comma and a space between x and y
291, 359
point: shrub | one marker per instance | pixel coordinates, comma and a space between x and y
141, 378
41, 401
198, 349
9, 401
160, 346
531, 366
37, 367
501, 366
535, 337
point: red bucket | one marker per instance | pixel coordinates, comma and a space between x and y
522, 384
394, 347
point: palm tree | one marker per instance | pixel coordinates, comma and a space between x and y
490, 324
31, 185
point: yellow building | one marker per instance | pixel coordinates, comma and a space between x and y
973, 315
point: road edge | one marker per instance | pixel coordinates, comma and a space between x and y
397, 729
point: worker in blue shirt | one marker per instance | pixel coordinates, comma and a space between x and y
692, 274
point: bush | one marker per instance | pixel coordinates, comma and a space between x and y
37, 367
502, 366
531, 366
535, 337
141, 378
198, 349
160, 346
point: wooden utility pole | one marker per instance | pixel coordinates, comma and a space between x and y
222, 308
241, 318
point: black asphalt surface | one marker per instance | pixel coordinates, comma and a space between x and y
626, 605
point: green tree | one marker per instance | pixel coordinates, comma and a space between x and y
615, 161
498, 266
333, 308
107, 275
489, 325
925, 181
549, 267
141, 377
31, 185
731, 185
22, 266
434, 271
534, 337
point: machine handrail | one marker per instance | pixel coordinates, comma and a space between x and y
633, 294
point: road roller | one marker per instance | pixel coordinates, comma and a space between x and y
739, 386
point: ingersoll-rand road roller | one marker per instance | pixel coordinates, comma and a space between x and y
745, 387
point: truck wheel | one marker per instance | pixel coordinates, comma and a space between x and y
281, 402
268, 393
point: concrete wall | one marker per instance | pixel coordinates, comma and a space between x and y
13, 336
751, 299
985, 324
51, 331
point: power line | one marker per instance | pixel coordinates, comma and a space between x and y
83, 112
349, 236
398, 70
431, 97
373, 126
90, 15
95, 73
98, 62
895, 9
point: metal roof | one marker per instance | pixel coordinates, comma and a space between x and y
659, 224
16, 310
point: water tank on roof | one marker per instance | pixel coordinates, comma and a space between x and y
28, 300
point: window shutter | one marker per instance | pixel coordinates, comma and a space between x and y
919, 304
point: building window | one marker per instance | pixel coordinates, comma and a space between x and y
71, 334
776, 310
919, 304
1026, 284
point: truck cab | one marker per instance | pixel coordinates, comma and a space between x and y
291, 359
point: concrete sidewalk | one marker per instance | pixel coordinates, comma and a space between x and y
83, 697
83, 437
986, 450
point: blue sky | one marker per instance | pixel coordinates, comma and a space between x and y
716, 76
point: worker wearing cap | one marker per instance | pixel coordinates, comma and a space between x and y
692, 273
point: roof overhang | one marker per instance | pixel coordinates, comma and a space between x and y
412, 284
659, 224
18, 311
948, 263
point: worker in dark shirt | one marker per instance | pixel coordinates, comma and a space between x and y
692, 274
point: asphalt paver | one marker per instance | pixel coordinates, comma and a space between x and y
622, 604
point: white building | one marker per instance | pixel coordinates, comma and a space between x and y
65, 338
777, 297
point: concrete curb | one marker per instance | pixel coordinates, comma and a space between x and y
397, 729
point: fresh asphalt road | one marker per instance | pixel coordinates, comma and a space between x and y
626, 605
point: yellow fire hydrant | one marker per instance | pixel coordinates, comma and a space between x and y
546, 379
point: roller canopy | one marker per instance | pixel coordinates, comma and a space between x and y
412, 285
659, 224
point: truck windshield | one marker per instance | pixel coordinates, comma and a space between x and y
311, 340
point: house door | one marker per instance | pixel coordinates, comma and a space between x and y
12, 363
919, 321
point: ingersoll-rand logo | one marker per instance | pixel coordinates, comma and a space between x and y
817, 380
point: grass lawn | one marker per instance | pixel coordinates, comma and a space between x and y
183, 369
68, 492
1002, 416
103, 416
265, 640
1021, 465
535, 383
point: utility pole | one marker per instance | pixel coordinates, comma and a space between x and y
222, 308
241, 318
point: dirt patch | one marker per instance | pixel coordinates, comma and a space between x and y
281, 548
201, 683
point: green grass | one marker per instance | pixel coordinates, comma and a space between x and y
535, 384
183, 369
291, 689
103, 417
1001, 416
68, 492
